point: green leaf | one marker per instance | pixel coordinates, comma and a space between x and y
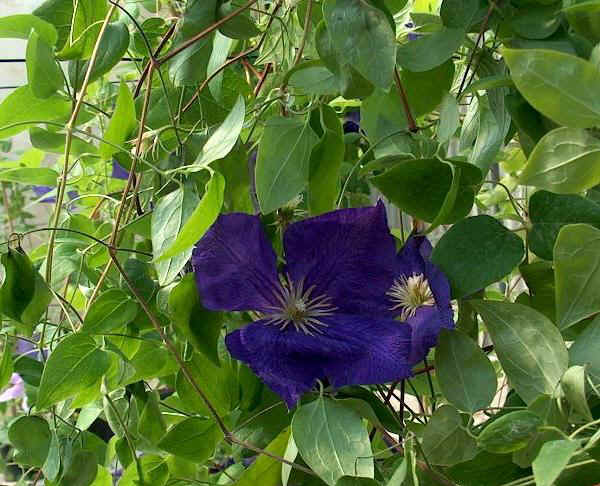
509, 432
31, 436
551, 460
103, 477
6, 364
265, 470
350, 481
18, 288
121, 124
536, 22
222, 141
75, 364
151, 425
485, 468
313, 78
283, 163
190, 66
573, 386
59, 13
87, 20
200, 220
113, 47
461, 13
81, 471
584, 351
549, 212
43, 73
565, 160
332, 440
445, 442
430, 51
577, 273
221, 47
449, 118
169, 217
39, 176
476, 252
22, 106
458, 359
357, 29
404, 185
425, 90
21, 26
154, 468
567, 95
325, 162
193, 439
529, 347
583, 18
54, 142
240, 26
111, 309
199, 326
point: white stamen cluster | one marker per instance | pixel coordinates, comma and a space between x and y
410, 293
299, 308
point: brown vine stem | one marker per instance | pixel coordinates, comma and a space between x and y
307, 22
235, 59
204, 33
412, 125
163, 42
228, 435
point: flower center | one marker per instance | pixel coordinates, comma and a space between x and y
410, 293
299, 307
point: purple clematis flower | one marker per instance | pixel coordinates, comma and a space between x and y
352, 122
319, 317
41, 190
118, 171
420, 296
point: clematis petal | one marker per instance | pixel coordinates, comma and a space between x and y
413, 255
352, 350
347, 255
118, 171
440, 288
235, 265
17, 390
426, 325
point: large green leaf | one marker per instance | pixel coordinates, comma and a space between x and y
59, 13
31, 436
87, 20
565, 160
325, 162
529, 347
510, 432
200, 220
22, 106
35, 176
568, 95
404, 185
476, 252
551, 460
112, 309
81, 471
313, 77
222, 141
584, 351
43, 73
430, 51
266, 471
198, 325
113, 46
549, 212
193, 439
573, 385
121, 123
282, 166
75, 364
425, 89
445, 442
169, 217
21, 26
332, 440
357, 29
465, 374
239, 27
577, 270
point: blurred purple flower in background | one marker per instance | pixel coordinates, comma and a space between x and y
16, 390
320, 318
118, 172
41, 190
352, 121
